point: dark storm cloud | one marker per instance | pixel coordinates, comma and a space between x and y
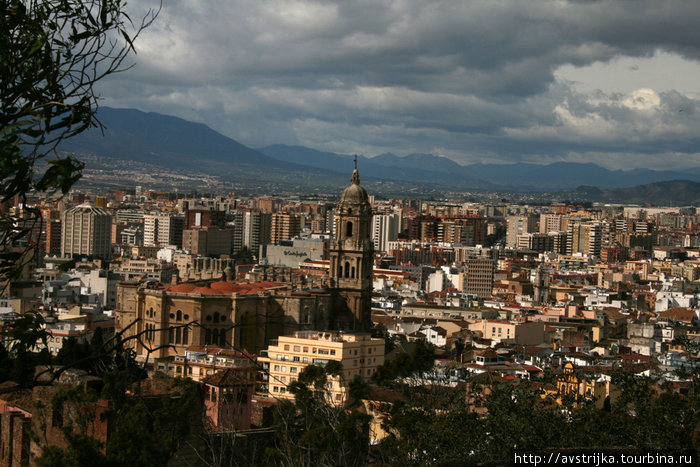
471, 80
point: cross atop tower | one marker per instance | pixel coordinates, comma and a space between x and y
355, 161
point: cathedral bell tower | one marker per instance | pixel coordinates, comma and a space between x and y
352, 255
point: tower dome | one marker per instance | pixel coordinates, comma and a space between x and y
354, 196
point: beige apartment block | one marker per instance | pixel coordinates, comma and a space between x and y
286, 357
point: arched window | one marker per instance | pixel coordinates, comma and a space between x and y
178, 336
222, 338
352, 274
216, 317
350, 211
207, 336
185, 336
179, 315
347, 269
348, 229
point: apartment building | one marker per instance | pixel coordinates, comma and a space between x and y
286, 358
86, 230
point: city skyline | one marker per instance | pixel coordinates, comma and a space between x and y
609, 83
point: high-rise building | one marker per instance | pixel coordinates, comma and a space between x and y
208, 241
352, 253
385, 229
584, 237
53, 237
465, 230
86, 230
251, 229
518, 225
162, 229
284, 226
204, 218
550, 223
478, 276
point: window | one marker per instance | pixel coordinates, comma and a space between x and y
293, 369
275, 389
295, 359
323, 351
185, 336
283, 390
179, 315
277, 368
348, 229
305, 360
284, 368
306, 349
332, 351
297, 348
286, 347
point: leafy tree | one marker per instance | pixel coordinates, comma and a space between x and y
310, 431
404, 365
52, 55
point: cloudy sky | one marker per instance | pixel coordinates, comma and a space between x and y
611, 82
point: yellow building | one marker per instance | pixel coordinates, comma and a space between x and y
571, 384
286, 357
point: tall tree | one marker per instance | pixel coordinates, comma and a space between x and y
52, 55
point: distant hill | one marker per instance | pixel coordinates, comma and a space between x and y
673, 192
431, 168
162, 139
174, 143
424, 168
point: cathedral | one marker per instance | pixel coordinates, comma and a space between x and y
163, 320
351, 258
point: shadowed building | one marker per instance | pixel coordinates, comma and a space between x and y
225, 314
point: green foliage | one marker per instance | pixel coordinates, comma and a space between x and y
145, 430
82, 450
310, 431
424, 427
404, 365
52, 55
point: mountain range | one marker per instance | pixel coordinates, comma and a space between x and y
171, 142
